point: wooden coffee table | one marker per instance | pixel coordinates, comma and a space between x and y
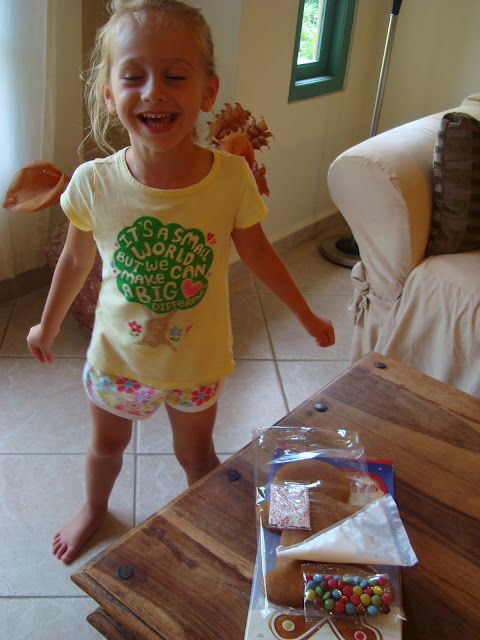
186, 572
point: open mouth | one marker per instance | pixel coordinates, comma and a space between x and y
158, 120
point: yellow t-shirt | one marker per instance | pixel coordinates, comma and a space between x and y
162, 316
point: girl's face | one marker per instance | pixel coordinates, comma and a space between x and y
158, 85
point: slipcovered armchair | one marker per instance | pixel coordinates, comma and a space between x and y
421, 310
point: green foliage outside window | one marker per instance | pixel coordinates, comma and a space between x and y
308, 50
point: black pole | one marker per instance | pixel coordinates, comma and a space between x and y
385, 63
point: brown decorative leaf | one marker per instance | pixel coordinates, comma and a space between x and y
238, 144
37, 186
229, 120
235, 130
260, 179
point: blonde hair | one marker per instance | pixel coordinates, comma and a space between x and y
124, 12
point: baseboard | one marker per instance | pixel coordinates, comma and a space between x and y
24, 283
333, 223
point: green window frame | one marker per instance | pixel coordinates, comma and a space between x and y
327, 73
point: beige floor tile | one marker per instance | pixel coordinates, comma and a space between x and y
250, 337
38, 494
251, 397
313, 273
303, 379
47, 618
159, 479
43, 407
291, 342
72, 340
244, 284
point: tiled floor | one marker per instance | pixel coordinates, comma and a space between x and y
44, 432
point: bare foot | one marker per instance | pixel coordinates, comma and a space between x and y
70, 539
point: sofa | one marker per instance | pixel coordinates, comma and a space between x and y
418, 306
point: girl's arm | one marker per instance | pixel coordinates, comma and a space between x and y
73, 267
261, 258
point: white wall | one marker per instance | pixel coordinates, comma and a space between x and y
309, 134
435, 59
223, 16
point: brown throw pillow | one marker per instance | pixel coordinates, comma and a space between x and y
456, 175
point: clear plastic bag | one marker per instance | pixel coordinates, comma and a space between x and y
330, 469
309, 476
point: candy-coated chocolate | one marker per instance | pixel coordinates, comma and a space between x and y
311, 584
382, 580
324, 584
328, 577
365, 599
318, 577
378, 590
351, 609
327, 595
347, 590
332, 583
372, 582
384, 608
310, 595
376, 600
319, 590
363, 583
348, 579
339, 606
355, 599
336, 594
387, 598
368, 590
329, 604
308, 577
341, 583
357, 590
372, 610
318, 602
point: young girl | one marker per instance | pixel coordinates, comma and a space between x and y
161, 213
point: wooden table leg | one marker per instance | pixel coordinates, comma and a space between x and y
108, 626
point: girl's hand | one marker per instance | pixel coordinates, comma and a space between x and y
39, 344
321, 329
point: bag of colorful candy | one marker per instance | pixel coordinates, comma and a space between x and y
350, 591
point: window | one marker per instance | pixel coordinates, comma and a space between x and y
321, 47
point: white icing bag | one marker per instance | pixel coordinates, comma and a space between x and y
373, 535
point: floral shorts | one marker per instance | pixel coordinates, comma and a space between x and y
136, 401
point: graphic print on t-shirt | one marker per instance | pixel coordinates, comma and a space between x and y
165, 268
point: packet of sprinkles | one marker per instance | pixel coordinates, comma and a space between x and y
289, 506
